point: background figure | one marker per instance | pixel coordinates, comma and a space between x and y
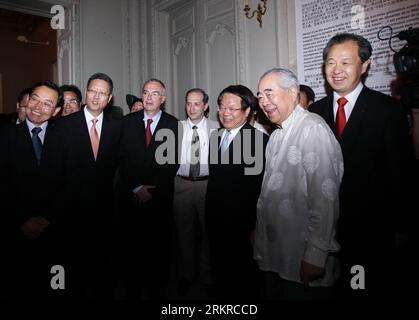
190, 190
254, 116
232, 194
113, 111
134, 103
72, 99
307, 96
148, 184
29, 181
20, 115
91, 142
372, 131
298, 205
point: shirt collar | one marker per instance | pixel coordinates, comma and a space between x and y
31, 125
200, 124
287, 122
234, 131
156, 118
89, 116
351, 97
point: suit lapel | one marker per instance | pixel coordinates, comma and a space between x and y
351, 130
86, 146
329, 117
105, 137
161, 124
26, 139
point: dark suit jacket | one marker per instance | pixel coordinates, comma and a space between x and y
231, 199
88, 194
376, 153
29, 190
146, 228
138, 165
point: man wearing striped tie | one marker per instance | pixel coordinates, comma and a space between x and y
190, 189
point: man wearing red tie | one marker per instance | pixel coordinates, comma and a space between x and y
148, 184
372, 130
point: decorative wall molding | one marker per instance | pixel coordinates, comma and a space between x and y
143, 68
182, 42
213, 9
241, 43
220, 29
126, 44
76, 47
63, 46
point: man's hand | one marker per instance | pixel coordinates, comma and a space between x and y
310, 272
33, 227
143, 195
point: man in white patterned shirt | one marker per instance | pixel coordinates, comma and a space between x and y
298, 206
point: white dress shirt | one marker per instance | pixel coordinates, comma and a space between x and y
155, 122
349, 106
185, 160
41, 134
233, 133
89, 117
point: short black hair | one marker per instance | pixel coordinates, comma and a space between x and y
246, 95
52, 86
72, 88
364, 46
308, 91
101, 76
23, 93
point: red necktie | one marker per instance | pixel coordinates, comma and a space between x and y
340, 116
148, 134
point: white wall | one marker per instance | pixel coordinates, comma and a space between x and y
268, 47
210, 44
101, 37
133, 40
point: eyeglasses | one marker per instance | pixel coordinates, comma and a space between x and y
229, 109
153, 94
73, 101
46, 105
93, 93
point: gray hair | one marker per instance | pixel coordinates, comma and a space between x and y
286, 80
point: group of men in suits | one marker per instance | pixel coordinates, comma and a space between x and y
58, 187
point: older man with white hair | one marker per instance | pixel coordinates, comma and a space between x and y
298, 206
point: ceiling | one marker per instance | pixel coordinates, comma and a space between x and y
18, 22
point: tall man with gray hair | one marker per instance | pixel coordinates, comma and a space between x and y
298, 206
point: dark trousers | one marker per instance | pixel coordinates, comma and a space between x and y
277, 288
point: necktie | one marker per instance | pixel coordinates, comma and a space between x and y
94, 138
224, 144
37, 143
148, 134
195, 165
340, 116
